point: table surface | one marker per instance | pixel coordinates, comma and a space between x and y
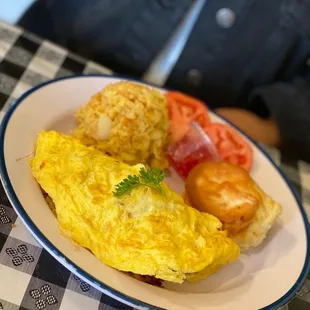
30, 278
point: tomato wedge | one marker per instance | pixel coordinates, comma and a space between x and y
183, 110
231, 146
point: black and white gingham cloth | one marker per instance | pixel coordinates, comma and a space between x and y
30, 278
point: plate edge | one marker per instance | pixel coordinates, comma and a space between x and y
90, 279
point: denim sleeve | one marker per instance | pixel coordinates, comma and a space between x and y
289, 105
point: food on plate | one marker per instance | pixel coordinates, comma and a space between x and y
142, 230
128, 121
144, 278
195, 147
151, 178
229, 193
231, 146
183, 110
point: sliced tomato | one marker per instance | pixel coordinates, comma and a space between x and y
231, 146
178, 124
183, 110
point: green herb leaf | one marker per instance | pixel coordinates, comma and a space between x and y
126, 185
147, 177
154, 175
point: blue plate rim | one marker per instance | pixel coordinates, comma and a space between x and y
71, 265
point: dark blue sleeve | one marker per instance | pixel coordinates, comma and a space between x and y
289, 106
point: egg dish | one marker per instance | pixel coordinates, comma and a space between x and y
144, 232
128, 121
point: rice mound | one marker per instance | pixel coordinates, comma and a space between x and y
139, 123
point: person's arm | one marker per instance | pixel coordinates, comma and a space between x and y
289, 106
257, 128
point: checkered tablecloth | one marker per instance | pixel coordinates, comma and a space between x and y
30, 278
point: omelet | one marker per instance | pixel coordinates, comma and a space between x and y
128, 121
144, 232
229, 193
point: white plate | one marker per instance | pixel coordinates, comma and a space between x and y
264, 278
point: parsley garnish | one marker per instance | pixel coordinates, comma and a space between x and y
147, 177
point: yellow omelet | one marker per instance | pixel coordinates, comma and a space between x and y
143, 232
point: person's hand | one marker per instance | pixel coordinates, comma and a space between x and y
259, 129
